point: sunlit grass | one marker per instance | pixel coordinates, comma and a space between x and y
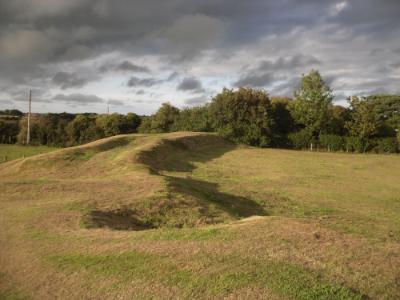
11, 152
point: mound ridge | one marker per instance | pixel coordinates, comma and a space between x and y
136, 182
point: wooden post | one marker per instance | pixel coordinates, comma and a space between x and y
28, 134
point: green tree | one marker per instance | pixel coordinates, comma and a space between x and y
312, 103
283, 122
364, 122
8, 131
110, 124
244, 116
162, 121
83, 129
387, 109
118, 124
338, 116
193, 119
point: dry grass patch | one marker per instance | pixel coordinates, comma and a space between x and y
222, 221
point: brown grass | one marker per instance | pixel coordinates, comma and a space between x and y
218, 219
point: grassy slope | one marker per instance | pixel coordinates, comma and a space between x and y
328, 225
17, 151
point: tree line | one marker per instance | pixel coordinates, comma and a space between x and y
309, 120
64, 129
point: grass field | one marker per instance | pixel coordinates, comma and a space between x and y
191, 216
10, 152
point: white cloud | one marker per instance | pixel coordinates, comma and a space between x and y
337, 8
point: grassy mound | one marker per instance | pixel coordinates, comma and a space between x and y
192, 216
168, 197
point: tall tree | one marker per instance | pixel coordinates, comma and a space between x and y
162, 121
243, 116
364, 122
312, 103
283, 122
194, 119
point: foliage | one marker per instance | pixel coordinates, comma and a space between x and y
116, 124
386, 145
301, 139
11, 112
282, 121
331, 142
68, 129
363, 122
83, 129
243, 116
312, 103
193, 119
162, 121
8, 131
387, 109
338, 116
357, 144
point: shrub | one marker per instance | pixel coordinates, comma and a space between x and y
301, 139
331, 142
243, 116
386, 145
162, 121
357, 144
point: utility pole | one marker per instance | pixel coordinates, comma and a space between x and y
28, 134
108, 109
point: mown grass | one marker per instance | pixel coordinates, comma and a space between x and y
11, 152
285, 279
189, 234
348, 192
165, 213
14, 295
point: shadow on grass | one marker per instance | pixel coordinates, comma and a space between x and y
91, 150
120, 219
207, 193
188, 202
178, 155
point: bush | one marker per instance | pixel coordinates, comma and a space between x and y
357, 144
331, 142
243, 116
386, 145
301, 139
162, 121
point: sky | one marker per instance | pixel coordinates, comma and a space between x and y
133, 55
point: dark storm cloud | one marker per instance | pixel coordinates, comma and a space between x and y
68, 80
195, 101
269, 71
255, 80
39, 37
116, 102
82, 99
128, 66
125, 66
191, 84
289, 63
61, 30
21, 94
173, 76
142, 82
